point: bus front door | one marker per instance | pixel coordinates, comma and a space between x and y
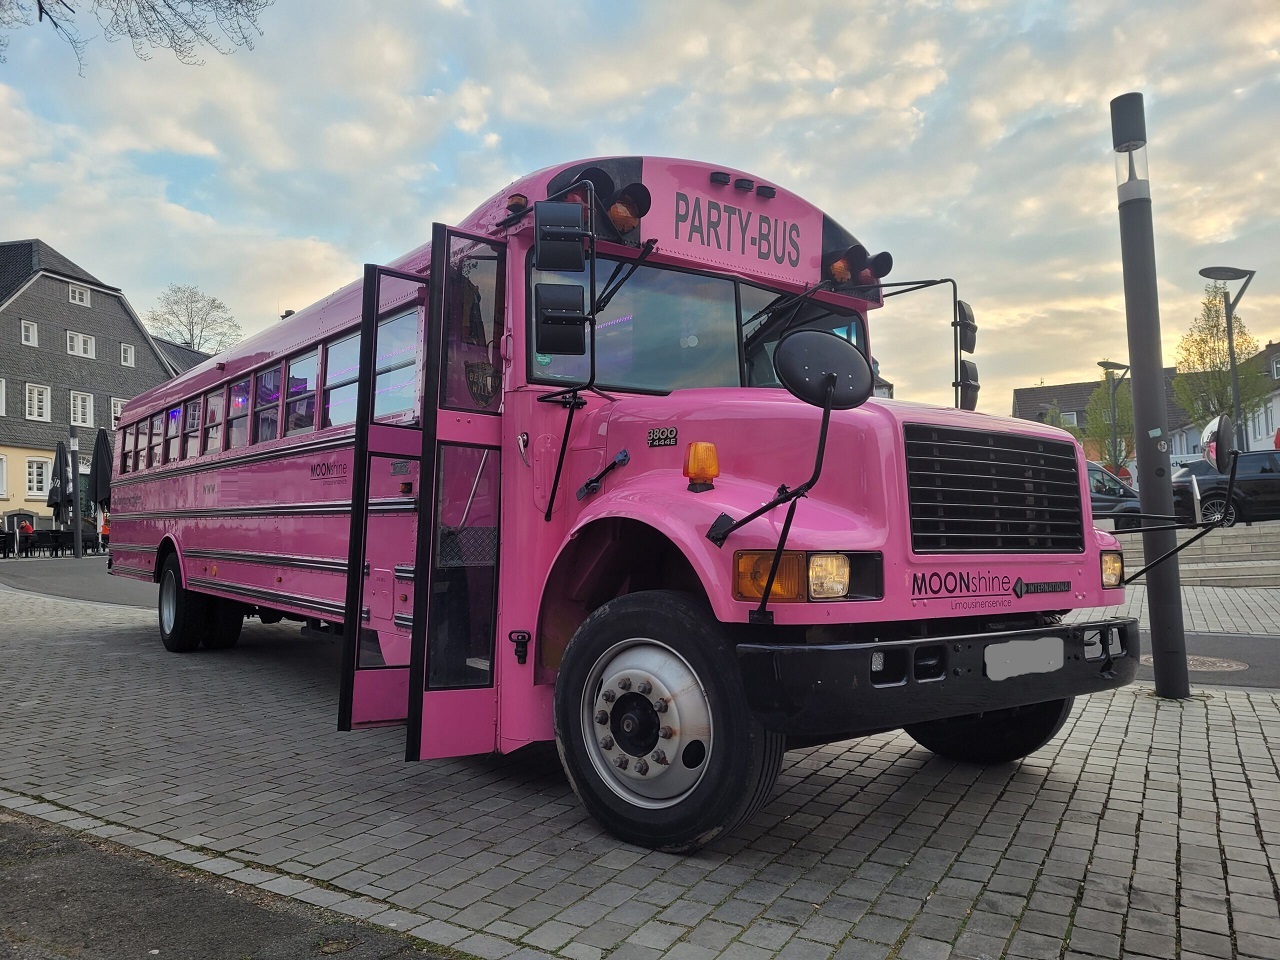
385, 490
453, 705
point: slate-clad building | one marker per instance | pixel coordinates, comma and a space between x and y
72, 350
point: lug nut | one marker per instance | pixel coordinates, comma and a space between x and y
620, 762
665, 733
602, 717
659, 757
606, 743
624, 683
660, 705
645, 687
609, 695
641, 767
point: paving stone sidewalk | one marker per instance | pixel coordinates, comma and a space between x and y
1148, 828
1251, 610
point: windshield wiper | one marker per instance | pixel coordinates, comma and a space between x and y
777, 321
611, 288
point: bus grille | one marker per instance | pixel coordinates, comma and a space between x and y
975, 492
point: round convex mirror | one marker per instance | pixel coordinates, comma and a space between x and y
806, 361
1216, 442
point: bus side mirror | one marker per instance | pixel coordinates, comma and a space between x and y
559, 228
969, 386
1217, 441
561, 320
966, 328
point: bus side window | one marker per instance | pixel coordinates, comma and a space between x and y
213, 422
191, 430
266, 408
157, 440
238, 415
300, 395
173, 435
126, 458
140, 445
341, 370
396, 368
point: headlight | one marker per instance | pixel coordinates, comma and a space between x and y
1112, 568
828, 576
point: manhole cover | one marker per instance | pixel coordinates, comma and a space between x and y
1206, 664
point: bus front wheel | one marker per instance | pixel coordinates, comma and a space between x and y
652, 724
183, 612
998, 736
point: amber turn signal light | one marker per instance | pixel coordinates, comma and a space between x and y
751, 572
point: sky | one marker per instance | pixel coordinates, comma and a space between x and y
970, 138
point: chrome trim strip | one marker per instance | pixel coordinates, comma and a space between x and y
307, 603
237, 556
200, 465
321, 507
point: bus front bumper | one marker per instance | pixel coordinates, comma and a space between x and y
833, 691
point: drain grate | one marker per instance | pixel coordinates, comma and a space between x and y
1206, 664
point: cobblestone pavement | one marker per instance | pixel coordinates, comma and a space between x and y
1148, 828
1251, 610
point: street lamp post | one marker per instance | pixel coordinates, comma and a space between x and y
1114, 383
1150, 420
1229, 306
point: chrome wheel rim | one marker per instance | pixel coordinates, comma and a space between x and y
646, 723
168, 602
1216, 510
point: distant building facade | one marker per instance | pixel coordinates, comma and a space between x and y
72, 351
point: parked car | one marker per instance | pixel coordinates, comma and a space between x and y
1256, 495
1112, 498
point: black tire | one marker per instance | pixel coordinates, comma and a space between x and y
998, 736
694, 771
226, 617
183, 613
1127, 523
1213, 506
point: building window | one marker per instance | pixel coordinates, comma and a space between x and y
38, 473
4, 477
1069, 419
80, 345
126, 354
1, 398
37, 402
117, 408
81, 409
30, 334
80, 295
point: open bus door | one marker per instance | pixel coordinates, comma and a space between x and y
438, 600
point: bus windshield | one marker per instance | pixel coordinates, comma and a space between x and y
671, 330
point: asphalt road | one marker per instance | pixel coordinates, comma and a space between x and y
66, 895
87, 579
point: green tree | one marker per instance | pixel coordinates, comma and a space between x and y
183, 26
1053, 417
1097, 423
194, 319
1203, 382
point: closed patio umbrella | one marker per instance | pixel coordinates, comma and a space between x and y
59, 488
100, 471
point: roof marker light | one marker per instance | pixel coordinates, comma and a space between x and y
720, 177
767, 192
742, 183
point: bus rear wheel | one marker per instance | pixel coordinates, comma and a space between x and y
997, 736
183, 612
652, 724
226, 617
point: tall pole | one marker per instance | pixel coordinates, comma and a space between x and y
1151, 430
1115, 443
1235, 374
75, 492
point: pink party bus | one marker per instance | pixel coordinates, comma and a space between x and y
601, 465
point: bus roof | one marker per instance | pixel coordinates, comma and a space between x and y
714, 216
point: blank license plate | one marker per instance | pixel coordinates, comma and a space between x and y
1017, 658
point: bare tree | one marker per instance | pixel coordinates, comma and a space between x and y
183, 26
194, 319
